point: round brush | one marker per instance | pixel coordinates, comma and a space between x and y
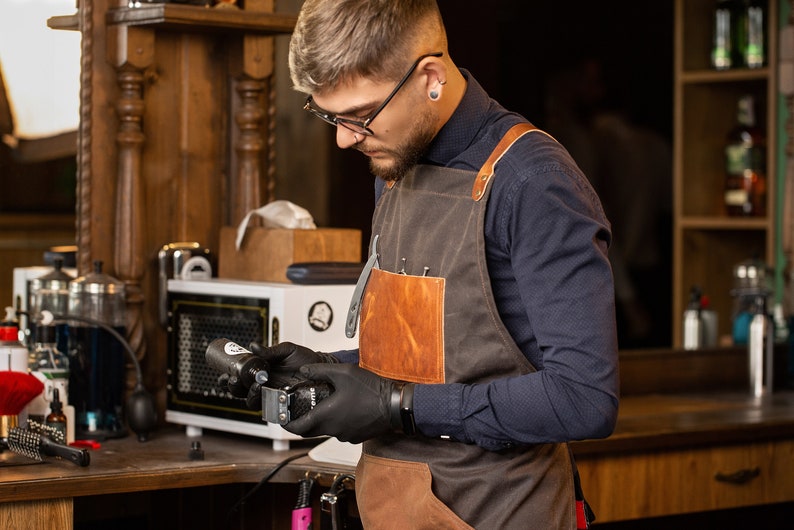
17, 389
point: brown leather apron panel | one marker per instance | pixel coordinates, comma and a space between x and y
408, 344
423, 512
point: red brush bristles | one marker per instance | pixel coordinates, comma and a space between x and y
17, 389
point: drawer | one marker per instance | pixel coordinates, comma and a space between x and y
657, 483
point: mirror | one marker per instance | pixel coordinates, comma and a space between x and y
39, 107
39, 101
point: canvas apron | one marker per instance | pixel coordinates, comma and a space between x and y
428, 316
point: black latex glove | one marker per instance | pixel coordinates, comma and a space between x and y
360, 407
233, 385
284, 363
288, 358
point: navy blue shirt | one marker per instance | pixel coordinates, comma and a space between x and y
546, 240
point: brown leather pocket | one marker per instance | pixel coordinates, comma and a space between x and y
398, 494
402, 327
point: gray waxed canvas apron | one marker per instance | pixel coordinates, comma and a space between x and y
428, 316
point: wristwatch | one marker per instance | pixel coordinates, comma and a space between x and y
402, 408
407, 409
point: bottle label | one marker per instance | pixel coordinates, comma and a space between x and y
736, 197
739, 158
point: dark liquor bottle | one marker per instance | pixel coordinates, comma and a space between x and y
745, 164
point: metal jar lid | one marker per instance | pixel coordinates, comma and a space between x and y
55, 280
97, 282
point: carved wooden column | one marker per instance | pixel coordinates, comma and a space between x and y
131, 56
253, 181
130, 204
246, 186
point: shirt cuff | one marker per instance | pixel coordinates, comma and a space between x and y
347, 356
437, 411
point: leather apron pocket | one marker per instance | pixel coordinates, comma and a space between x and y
398, 494
402, 327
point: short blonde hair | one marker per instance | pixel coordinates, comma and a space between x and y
335, 40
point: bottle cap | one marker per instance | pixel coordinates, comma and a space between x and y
9, 329
56, 405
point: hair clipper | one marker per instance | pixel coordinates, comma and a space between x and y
281, 403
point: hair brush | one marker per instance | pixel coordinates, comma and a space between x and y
36, 446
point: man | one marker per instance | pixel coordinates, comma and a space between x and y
487, 328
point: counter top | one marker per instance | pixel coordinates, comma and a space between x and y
666, 421
645, 423
126, 465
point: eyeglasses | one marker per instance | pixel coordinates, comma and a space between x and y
362, 126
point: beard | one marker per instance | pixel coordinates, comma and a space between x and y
406, 155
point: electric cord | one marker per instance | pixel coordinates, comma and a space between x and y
49, 318
278, 467
141, 409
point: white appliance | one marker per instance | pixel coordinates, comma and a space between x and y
200, 311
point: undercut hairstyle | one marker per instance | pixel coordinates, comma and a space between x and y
337, 40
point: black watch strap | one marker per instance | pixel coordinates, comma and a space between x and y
407, 409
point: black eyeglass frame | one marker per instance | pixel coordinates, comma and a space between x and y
359, 126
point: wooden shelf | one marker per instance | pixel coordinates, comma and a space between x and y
724, 223
193, 18
724, 76
707, 243
186, 17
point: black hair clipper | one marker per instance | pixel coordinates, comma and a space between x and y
282, 401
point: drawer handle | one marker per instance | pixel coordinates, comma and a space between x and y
738, 477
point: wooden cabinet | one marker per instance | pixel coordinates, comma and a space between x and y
661, 483
707, 243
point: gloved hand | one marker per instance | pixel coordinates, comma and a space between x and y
284, 362
362, 406
287, 358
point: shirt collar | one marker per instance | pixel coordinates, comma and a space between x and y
463, 126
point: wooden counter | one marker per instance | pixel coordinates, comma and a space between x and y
678, 454
41, 495
661, 460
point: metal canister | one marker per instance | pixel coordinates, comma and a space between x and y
97, 312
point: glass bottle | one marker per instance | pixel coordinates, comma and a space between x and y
722, 47
745, 164
13, 354
46, 357
693, 322
51, 366
56, 418
751, 33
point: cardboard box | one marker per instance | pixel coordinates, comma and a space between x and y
266, 253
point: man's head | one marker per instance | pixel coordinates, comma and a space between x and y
380, 71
